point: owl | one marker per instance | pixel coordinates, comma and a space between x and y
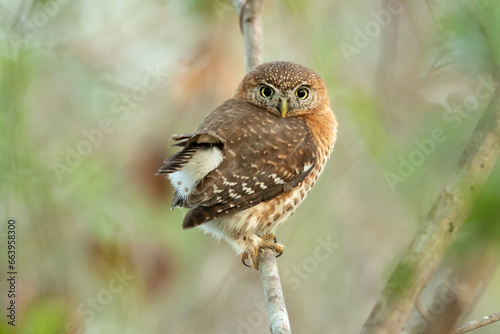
254, 159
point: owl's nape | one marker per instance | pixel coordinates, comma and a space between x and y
251, 162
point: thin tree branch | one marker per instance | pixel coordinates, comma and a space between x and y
278, 316
250, 12
470, 326
440, 228
443, 221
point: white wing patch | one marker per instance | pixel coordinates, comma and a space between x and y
202, 163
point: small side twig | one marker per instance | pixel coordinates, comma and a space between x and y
470, 326
250, 12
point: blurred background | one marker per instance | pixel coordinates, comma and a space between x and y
91, 92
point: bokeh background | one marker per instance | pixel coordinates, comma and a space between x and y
91, 92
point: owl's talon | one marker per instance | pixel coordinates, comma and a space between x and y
244, 258
270, 236
278, 254
251, 254
245, 264
254, 256
272, 245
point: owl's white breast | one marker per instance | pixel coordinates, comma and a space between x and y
202, 163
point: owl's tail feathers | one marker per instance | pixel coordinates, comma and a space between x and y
204, 138
191, 143
178, 160
182, 139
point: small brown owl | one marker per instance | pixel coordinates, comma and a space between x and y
254, 159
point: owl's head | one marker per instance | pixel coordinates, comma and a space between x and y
284, 88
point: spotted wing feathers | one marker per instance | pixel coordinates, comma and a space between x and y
202, 214
261, 157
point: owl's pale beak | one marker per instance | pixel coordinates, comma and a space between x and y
283, 107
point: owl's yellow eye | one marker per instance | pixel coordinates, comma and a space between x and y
302, 93
266, 91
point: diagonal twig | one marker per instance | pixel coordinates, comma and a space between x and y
443, 221
440, 228
470, 326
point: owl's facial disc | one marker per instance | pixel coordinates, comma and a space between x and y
282, 100
289, 100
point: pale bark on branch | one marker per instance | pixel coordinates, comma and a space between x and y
440, 227
442, 223
250, 12
278, 315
